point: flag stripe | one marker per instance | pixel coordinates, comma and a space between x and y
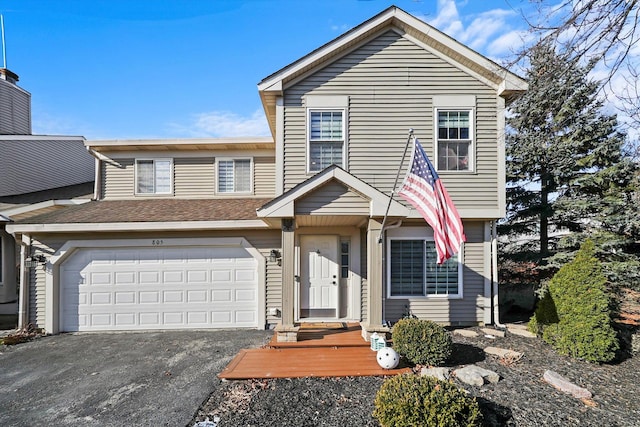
423, 188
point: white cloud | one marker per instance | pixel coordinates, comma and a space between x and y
224, 124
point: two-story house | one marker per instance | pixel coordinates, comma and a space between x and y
261, 232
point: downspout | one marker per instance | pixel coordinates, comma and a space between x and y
100, 158
97, 181
23, 297
494, 275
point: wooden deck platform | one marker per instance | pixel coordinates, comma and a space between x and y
331, 351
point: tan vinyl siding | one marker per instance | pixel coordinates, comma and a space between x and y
264, 176
194, 177
365, 274
390, 82
332, 199
465, 311
15, 110
118, 182
35, 164
265, 241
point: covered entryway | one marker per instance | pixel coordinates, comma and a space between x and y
159, 287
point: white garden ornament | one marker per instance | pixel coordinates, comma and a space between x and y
388, 358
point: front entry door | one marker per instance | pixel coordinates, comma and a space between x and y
319, 281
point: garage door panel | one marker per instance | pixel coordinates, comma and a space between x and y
159, 288
149, 297
122, 298
172, 296
149, 277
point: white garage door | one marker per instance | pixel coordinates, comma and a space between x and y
158, 288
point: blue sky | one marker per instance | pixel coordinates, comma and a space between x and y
127, 69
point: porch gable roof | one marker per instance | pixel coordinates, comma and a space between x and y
284, 205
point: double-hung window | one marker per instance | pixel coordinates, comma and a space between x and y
326, 138
153, 176
234, 175
414, 272
455, 140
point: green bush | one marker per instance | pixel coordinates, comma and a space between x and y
410, 400
574, 316
422, 341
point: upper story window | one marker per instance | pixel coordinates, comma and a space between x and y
234, 175
455, 140
153, 176
326, 138
414, 272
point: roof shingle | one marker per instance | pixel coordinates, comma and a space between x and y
152, 210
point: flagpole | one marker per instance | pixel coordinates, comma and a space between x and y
395, 185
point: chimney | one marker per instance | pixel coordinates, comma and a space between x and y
9, 76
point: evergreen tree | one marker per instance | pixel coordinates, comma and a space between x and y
566, 173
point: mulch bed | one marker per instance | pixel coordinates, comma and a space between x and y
520, 398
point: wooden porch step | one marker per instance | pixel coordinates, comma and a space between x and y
317, 335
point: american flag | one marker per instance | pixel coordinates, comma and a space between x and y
423, 188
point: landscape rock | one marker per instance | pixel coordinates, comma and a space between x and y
566, 386
503, 352
475, 375
494, 332
438, 373
466, 333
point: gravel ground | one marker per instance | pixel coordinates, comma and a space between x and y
520, 398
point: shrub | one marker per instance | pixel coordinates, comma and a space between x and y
411, 400
422, 341
574, 316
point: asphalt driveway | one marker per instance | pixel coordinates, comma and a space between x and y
115, 379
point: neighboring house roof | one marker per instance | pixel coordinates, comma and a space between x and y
504, 82
31, 163
284, 205
14, 208
156, 214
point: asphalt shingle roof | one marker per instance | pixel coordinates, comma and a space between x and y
152, 210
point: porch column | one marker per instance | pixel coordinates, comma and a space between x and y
375, 282
286, 331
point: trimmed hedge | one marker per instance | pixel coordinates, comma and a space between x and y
409, 400
574, 315
422, 342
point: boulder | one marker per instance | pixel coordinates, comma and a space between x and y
475, 375
438, 373
503, 353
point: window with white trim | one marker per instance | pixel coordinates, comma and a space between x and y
234, 175
326, 138
153, 176
455, 140
413, 270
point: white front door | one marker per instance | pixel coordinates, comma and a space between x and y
319, 280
